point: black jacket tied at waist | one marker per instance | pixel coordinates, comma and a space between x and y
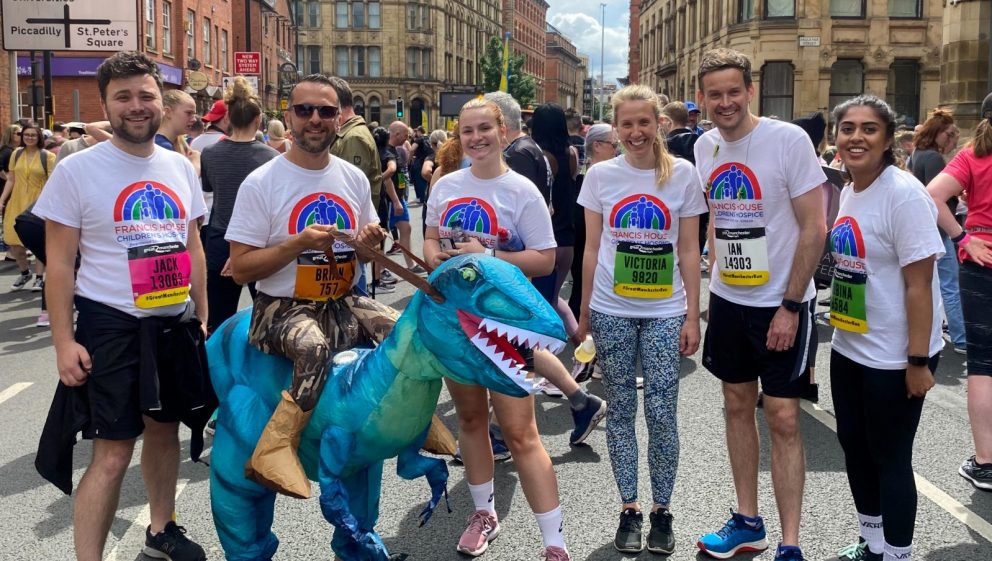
175, 343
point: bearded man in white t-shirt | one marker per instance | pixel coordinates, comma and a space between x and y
280, 235
767, 229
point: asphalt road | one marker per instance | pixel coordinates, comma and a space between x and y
954, 521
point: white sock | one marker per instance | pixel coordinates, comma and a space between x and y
871, 531
552, 528
893, 553
483, 497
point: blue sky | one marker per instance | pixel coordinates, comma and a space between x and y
579, 20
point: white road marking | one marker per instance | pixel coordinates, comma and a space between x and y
923, 486
135, 534
14, 390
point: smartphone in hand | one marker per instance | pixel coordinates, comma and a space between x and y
447, 244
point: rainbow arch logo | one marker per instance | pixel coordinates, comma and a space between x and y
734, 181
645, 212
846, 239
148, 200
326, 209
476, 216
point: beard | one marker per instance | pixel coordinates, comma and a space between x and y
136, 134
311, 146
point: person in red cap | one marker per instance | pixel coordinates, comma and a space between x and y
217, 126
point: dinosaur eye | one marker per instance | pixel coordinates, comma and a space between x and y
469, 274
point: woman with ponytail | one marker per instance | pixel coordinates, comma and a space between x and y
224, 166
640, 299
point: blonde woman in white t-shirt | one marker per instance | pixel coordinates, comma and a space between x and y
512, 202
640, 299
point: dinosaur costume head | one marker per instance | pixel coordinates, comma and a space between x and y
491, 312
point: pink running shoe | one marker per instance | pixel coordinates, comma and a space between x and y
555, 554
482, 529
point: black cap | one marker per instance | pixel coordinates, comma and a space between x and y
987, 107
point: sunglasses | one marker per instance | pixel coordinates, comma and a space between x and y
615, 144
305, 111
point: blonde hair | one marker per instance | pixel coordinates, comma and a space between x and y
8, 135
481, 103
981, 143
276, 130
174, 98
243, 103
663, 161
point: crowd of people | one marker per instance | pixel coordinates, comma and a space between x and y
151, 232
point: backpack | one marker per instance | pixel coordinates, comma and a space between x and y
44, 159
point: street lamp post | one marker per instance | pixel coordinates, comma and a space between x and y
602, 57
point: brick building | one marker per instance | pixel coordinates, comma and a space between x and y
562, 78
634, 43
525, 20
6, 116
272, 34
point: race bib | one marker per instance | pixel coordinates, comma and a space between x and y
643, 271
847, 301
319, 277
742, 256
159, 274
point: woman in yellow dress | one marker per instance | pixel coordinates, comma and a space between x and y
25, 179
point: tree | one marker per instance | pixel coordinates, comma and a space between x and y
521, 86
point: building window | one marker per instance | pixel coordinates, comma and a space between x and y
745, 10
313, 13
357, 15
905, 9
223, 50
358, 105
411, 16
846, 81
780, 9
207, 54
341, 61
412, 63
777, 83
313, 59
425, 63
375, 62
190, 34
425, 11
150, 24
358, 61
167, 28
375, 110
341, 15
298, 13
903, 89
847, 8
375, 17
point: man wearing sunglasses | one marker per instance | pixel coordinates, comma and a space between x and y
280, 235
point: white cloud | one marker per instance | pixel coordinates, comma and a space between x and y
579, 20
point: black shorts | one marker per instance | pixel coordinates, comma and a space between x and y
975, 282
735, 351
112, 386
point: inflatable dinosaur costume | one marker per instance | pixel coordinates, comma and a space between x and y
377, 404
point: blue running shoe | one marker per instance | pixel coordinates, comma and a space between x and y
500, 451
587, 419
788, 553
735, 536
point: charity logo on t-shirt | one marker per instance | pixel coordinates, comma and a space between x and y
473, 216
316, 279
150, 221
847, 299
739, 225
645, 258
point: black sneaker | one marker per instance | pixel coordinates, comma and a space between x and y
660, 537
980, 475
172, 544
857, 552
628, 538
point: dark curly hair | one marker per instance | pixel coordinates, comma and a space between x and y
126, 64
882, 111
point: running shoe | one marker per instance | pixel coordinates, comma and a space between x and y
980, 475
628, 538
857, 552
418, 270
501, 452
961, 349
549, 389
387, 277
661, 539
211, 428
553, 553
21, 281
587, 419
172, 544
395, 250
582, 371
39, 284
380, 288
788, 553
43, 320
482, 529
735, 536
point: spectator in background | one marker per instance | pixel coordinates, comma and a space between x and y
681, 138
216, 123
75, 130
694, 118
277, 136
705, 125
10, 140
575, 134
78, 141
420, 150
904, 148
195, 129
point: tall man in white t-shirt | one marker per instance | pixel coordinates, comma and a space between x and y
280, 239
767, 229
133, 361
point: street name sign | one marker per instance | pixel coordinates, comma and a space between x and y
70, 25
226, 82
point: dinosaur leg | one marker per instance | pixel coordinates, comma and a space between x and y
411, 464
242, 509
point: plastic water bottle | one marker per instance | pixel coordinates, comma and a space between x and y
508, 241
586, 352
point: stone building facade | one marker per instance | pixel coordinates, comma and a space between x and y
562, 71
965, 68
806, 55
525, 20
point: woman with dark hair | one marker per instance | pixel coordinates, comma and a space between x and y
969, 174
930, 144
885, 306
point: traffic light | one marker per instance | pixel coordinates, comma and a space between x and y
399, 108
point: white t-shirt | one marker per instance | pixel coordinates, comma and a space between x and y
483, 206
879, 231
637, 273
133, 217
208, 138
750, 185
280, 199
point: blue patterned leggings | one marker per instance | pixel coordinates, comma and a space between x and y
619, 342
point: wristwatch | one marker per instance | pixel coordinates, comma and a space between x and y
791, 305
916, 360
491, 252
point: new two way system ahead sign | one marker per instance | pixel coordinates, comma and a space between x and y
70, 25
